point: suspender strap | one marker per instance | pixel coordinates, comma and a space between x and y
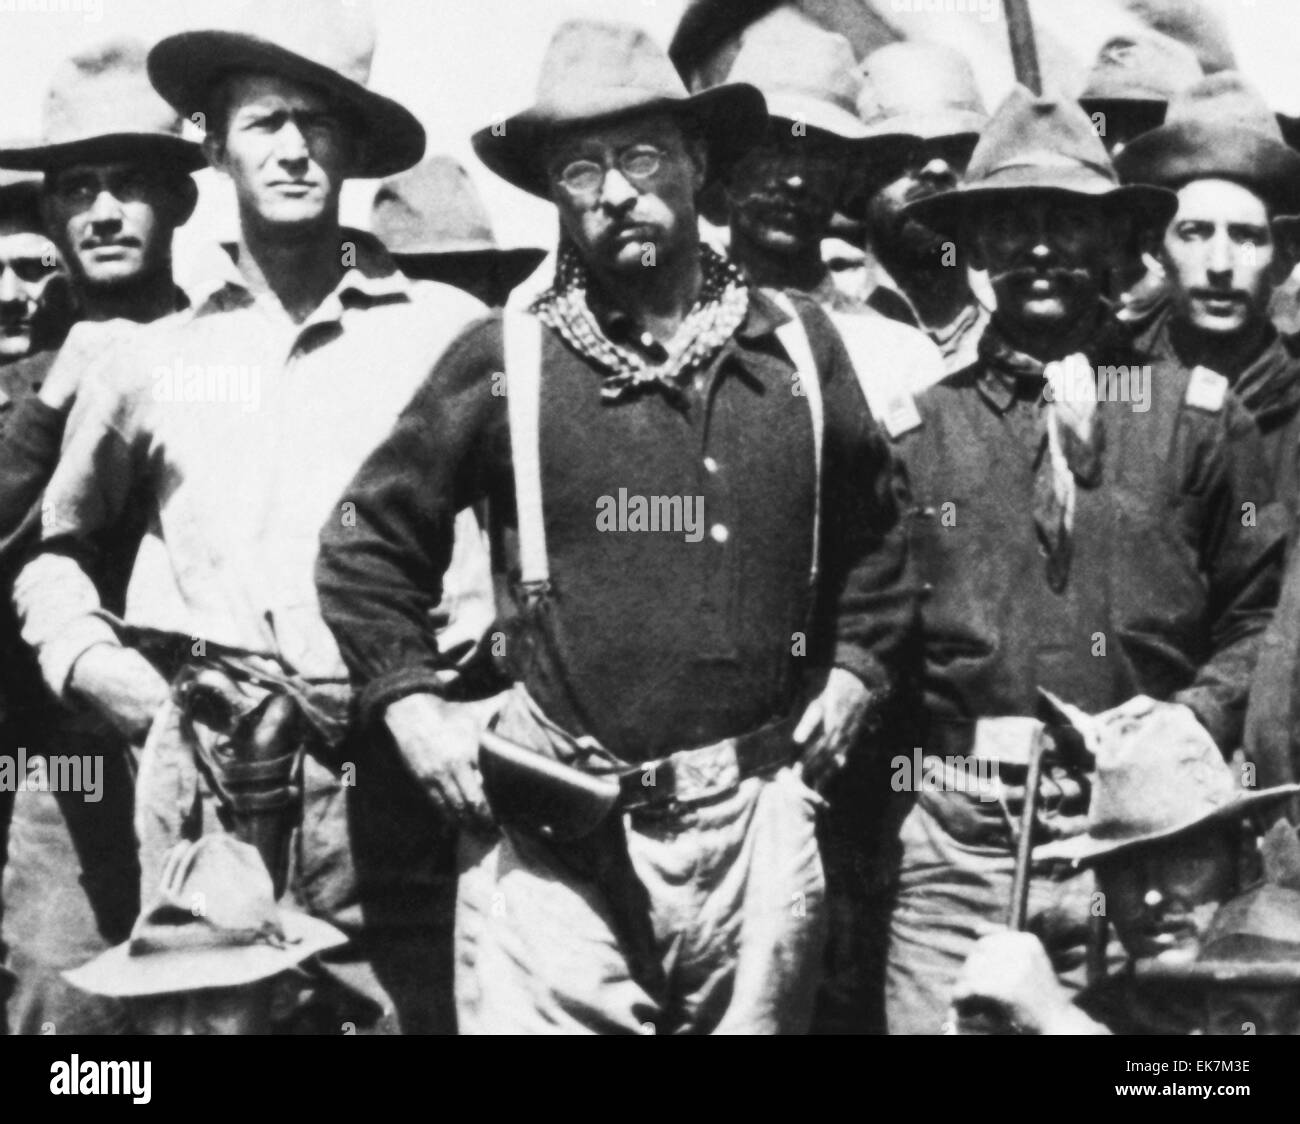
794, 338
523, 355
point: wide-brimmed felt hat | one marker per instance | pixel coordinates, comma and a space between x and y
325, 44
1220, 128
100, 108
432, 215
595, 71
1191, 22
807, 75
1041, 144
213, 923
20, 199
925, 89
1159, 775
1137, 74
1254, 938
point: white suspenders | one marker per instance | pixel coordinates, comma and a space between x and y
795, 341
523, 362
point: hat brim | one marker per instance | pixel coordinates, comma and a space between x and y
507, 268
1249, 972
1087, 850
183, 155
933, 126
1176, 154
118, 974
815, 113
183, 69
731, 117
946, 211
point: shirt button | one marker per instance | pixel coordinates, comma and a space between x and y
710, 465
719, 533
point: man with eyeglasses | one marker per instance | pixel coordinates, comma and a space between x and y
116, 186
680, 681
238, 422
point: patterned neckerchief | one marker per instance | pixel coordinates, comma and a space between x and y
721, 309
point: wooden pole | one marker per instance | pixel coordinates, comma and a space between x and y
1024, 51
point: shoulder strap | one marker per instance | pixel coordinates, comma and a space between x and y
794, 338
523, 355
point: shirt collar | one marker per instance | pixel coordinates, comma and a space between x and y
997, 387
371, 277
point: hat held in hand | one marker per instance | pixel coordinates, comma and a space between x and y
1159, 775
213, 923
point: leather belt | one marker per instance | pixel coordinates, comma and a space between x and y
692, 775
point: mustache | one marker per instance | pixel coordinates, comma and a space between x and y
800, 203
123, 242
1016, 275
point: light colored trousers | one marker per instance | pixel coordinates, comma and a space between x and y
736, 894
951, 893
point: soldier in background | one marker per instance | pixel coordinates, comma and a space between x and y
433, 222
35, 301
1226, 249
927, 91
116, 186
1077, 534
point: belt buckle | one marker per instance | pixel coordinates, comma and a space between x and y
660, 791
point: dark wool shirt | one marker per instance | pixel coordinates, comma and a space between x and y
30, 435
1172, 580
1267, 382
649, 643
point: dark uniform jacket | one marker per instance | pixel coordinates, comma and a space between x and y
30, 435
649, 642
1177, 546
1268, 384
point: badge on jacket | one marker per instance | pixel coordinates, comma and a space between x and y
1206, 390
899, 415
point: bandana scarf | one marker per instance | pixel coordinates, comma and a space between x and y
721, 309
1069, 453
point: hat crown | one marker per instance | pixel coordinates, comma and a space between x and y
785, 53
433, 208
1141, 66
214, 892
1028, 131
336, 34
1224, 100
592, 65
105, 91
1156, 772
907, 79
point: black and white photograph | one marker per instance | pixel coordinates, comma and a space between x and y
651, 517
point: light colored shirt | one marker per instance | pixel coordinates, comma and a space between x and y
890, 358
244, 429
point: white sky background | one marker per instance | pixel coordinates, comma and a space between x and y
461, 64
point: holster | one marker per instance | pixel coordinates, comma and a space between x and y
532, 792
249, 730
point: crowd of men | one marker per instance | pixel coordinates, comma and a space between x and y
842, 585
